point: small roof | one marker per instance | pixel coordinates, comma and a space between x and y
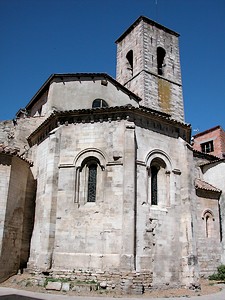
149, 21
203, 185
219, 160
201, 154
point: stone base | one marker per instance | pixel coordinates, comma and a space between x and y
122, 282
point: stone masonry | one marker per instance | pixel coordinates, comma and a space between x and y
99, 180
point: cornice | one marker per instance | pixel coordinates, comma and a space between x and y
142, 117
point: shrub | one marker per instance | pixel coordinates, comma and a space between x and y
220, 275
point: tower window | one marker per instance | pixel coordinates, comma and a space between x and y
92, 179
130, 58
98, 103
207, 147
161, 53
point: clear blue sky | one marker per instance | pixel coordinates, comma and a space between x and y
41, 37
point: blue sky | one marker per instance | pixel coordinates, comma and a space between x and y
41, 37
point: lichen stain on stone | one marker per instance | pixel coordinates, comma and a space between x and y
164, 95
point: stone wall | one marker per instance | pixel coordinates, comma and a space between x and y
164, 235
212, 174
122, 282
209, 246
15, 228
14, 134
5, 169
121, 231
97, 235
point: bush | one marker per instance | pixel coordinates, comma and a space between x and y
220, 275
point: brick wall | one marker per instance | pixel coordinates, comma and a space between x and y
216, 135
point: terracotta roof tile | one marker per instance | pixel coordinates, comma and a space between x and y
203, 185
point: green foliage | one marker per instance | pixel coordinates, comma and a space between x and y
220, 275
52, 279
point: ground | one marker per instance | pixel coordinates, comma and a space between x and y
24, 282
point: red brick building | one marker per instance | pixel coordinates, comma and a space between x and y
211, 141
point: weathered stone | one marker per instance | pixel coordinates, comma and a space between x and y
65, 286
53, 286
103, 284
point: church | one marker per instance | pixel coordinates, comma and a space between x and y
99, 175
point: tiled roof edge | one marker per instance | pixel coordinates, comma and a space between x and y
13, 152
196, 153
203, 185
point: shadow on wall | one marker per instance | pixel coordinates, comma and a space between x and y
18, 219
17, 297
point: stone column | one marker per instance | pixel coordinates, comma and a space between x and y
129, 198
188, 224
42, 243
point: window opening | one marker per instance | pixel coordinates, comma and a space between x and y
207, 147
98, 103
129, 58
154, 185
209, 225
208, 219
92, 179
161, 53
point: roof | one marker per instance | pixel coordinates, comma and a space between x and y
220, 160
148, 21
47, 83
203, 185
207, 131
197, 153
12, 151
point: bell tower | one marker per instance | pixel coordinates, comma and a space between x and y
148, 64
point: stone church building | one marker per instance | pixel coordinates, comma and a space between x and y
98, 175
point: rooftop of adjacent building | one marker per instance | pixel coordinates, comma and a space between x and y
207, 131
210, 141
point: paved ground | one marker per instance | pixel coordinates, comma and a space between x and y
13, 294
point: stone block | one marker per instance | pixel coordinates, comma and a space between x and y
65, 286
56, 286
103, 284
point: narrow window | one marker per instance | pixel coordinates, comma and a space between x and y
92, 176
129, 58
161, 53
209, 225
154, 185
98, 103
208, 219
